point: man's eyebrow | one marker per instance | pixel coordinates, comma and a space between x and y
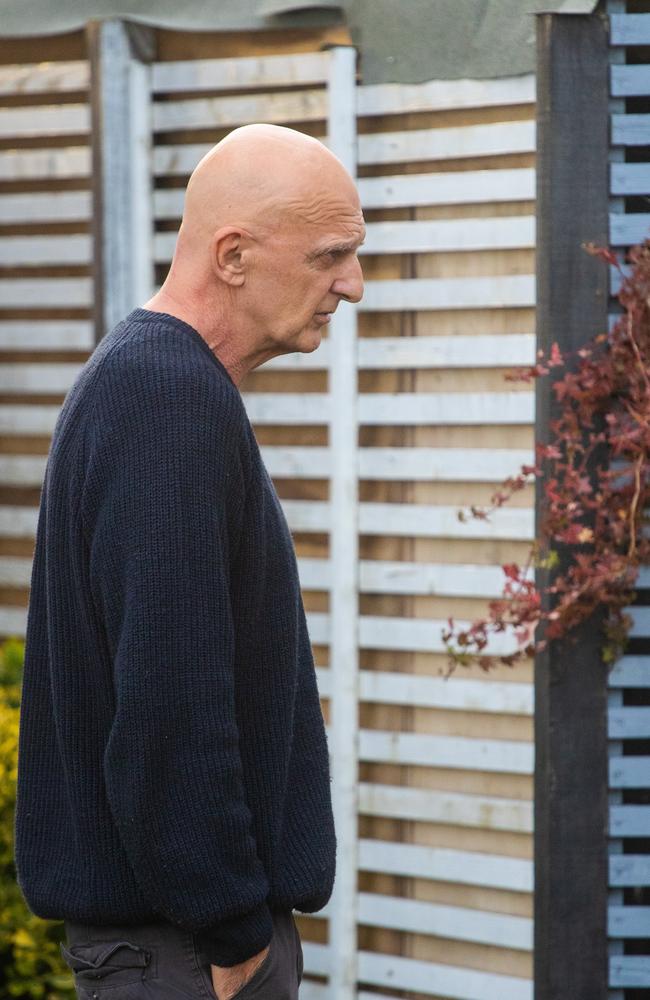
336, 248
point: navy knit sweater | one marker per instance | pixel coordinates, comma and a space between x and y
172, 760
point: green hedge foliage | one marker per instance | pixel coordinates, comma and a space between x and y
31, 965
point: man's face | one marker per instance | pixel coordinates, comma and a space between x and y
303, 269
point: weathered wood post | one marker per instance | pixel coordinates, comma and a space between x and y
571, 805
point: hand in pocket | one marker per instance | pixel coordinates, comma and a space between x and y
227, 982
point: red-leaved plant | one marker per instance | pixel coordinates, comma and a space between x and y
594, 474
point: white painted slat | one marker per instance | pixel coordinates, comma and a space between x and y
630, 130
500, 138
222, 112
630, 671
15, 572
629, 821
629, 869
503, 291
441, 95
444, 579
628, 921
446, 865
23, 293
240, 73
452, 693
44, 164
421, 635
43, 78
396, 409
624, 230
432, 806
629, 81
18, 522
640, 621
471, 187
13, 622
629, 971
28, 419
412, 464
629, 772
53, 206
46, 335
628, 723
37, 251
22, 470
395, 972
423, 236
459, 351
629, 29
54, 120
462, 408
454, 922
629, 178
505, 756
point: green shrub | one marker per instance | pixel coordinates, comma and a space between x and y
30, 961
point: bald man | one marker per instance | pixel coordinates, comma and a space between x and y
173, 803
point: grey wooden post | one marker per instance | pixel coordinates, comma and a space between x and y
119, 54
571, 805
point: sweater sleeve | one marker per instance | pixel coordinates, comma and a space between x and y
164, 485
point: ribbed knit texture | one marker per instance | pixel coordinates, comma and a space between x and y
172, 758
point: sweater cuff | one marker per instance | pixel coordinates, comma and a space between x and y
236, 939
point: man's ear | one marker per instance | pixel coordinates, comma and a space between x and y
228, 253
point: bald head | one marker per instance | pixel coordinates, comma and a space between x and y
260, 176
267, 246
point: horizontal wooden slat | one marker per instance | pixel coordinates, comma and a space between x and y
222, 112
452, 693
442, 95
43, 78
629, 869
457, 351
14, 572
446, 865
38, 377
46, 335
26, 293
471, 187
624, 230
630, 130
420, 635
44, 164
500, 138
640, 616
30, 122
13, 621
455, 922
431, 806
412, 464
396, 409
242, 73
629, 772
628, 971
55, 206
629, 178
448, 579
506, 291
504, 756
630, 671
628, 723
629, 821
414, 520
441, 980
629, 81
22, 470
629, 29
28, 419
628, 921
516, 232
38, 251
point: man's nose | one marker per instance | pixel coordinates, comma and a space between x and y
349, 286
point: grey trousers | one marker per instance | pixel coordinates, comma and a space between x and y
160, 961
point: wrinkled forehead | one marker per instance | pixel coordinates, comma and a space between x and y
322, 213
